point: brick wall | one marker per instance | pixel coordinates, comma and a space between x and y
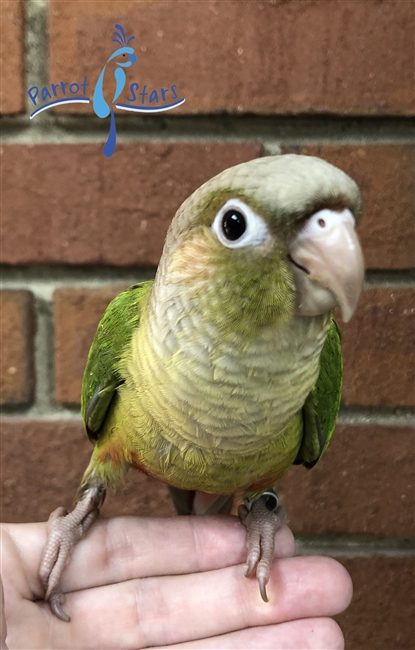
328, 78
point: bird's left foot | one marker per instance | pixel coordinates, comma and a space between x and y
262, 519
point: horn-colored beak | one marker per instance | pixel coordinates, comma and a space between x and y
328, 264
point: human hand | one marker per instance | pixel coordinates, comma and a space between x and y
140, 582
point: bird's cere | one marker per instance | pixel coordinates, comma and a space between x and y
236, 225
328, 264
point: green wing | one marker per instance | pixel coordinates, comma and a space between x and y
321, 408
101, 376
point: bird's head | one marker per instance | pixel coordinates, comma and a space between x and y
269, 239
124, 57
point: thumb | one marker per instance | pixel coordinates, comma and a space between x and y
3, 628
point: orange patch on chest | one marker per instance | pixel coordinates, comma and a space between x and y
111, 453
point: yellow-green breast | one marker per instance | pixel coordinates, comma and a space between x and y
206, 409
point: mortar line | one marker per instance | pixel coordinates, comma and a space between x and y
272, 130
390, 278
387, 417
78, 276
36, 53
43, 356
44, 285
49, 410
37, 413
354, 545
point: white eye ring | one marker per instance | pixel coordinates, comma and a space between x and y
256, 229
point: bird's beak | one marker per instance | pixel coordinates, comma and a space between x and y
328, 266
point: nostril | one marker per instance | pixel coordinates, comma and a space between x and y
321, 223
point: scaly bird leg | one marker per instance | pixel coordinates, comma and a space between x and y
64, 532
262, 519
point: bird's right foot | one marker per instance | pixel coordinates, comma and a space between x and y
262, 519
64, 532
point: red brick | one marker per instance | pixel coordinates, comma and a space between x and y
11, 57
77, 313
385, 175
42, 464
381, 616
378, 350
69, 204
275, 57
16, 358
364, 485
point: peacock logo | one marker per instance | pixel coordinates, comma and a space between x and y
101, 107
151, 101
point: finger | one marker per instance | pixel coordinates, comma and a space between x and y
3, 630
123, 548
144, 547
307, 634
175, 609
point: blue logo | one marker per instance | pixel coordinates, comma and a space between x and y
123, 57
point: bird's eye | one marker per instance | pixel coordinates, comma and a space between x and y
233, 224
124, 54
236, 225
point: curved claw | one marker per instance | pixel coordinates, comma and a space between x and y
55, 601
263, 581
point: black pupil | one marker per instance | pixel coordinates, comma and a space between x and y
234, 224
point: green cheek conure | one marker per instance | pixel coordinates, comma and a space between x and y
226, 369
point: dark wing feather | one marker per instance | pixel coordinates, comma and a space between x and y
321, 408
101, 376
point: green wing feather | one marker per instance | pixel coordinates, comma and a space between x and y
101, 376
321, 408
